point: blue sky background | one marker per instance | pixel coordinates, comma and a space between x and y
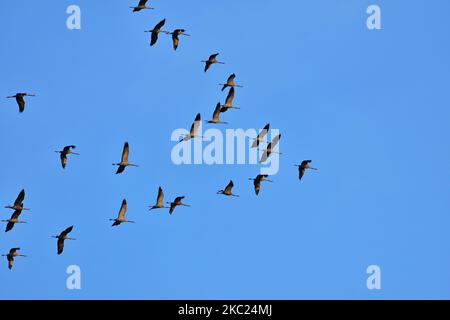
371, 108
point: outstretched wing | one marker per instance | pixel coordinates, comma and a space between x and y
67, 149
20, 102
213, 57
265, 155
16, 215
230, 97
216, 113
9, 226
154, 38
123, 210
120, 169
13, 251
207, 65
10, 261
125, 152
160, 25
275, 141
20, 198
60, 245
172, 207
160, 198
301, 172
66, 232
63, 157
175, 40
231, 78
196, 125
229, 187
257, 185
261, 136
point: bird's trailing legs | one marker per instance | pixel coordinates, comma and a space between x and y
263, 180
189, 137
310, 168
8, 221
26, 95
215, 122
234, 86
122, 221
156, 207
181, 34
180, 204
143, 8
125, 165
230, 195
14, 208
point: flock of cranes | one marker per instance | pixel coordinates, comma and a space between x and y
18, 206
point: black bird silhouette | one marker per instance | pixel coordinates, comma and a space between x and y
211, 60
303, 167
20, 100
63, 236
155, 31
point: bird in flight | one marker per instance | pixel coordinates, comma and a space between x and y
261, 136
63, 154
228, 190
257, 182
63, 236
216, 115
176, 203
11, 255
230, 83
18, 204
20, 100
176, 36
270, 148
229, 101
13, 220
124, 161
121, 216
141, 6
211, 60
193, 133
155, 31
303, 167
159, 201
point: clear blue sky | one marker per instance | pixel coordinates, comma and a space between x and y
371, 108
